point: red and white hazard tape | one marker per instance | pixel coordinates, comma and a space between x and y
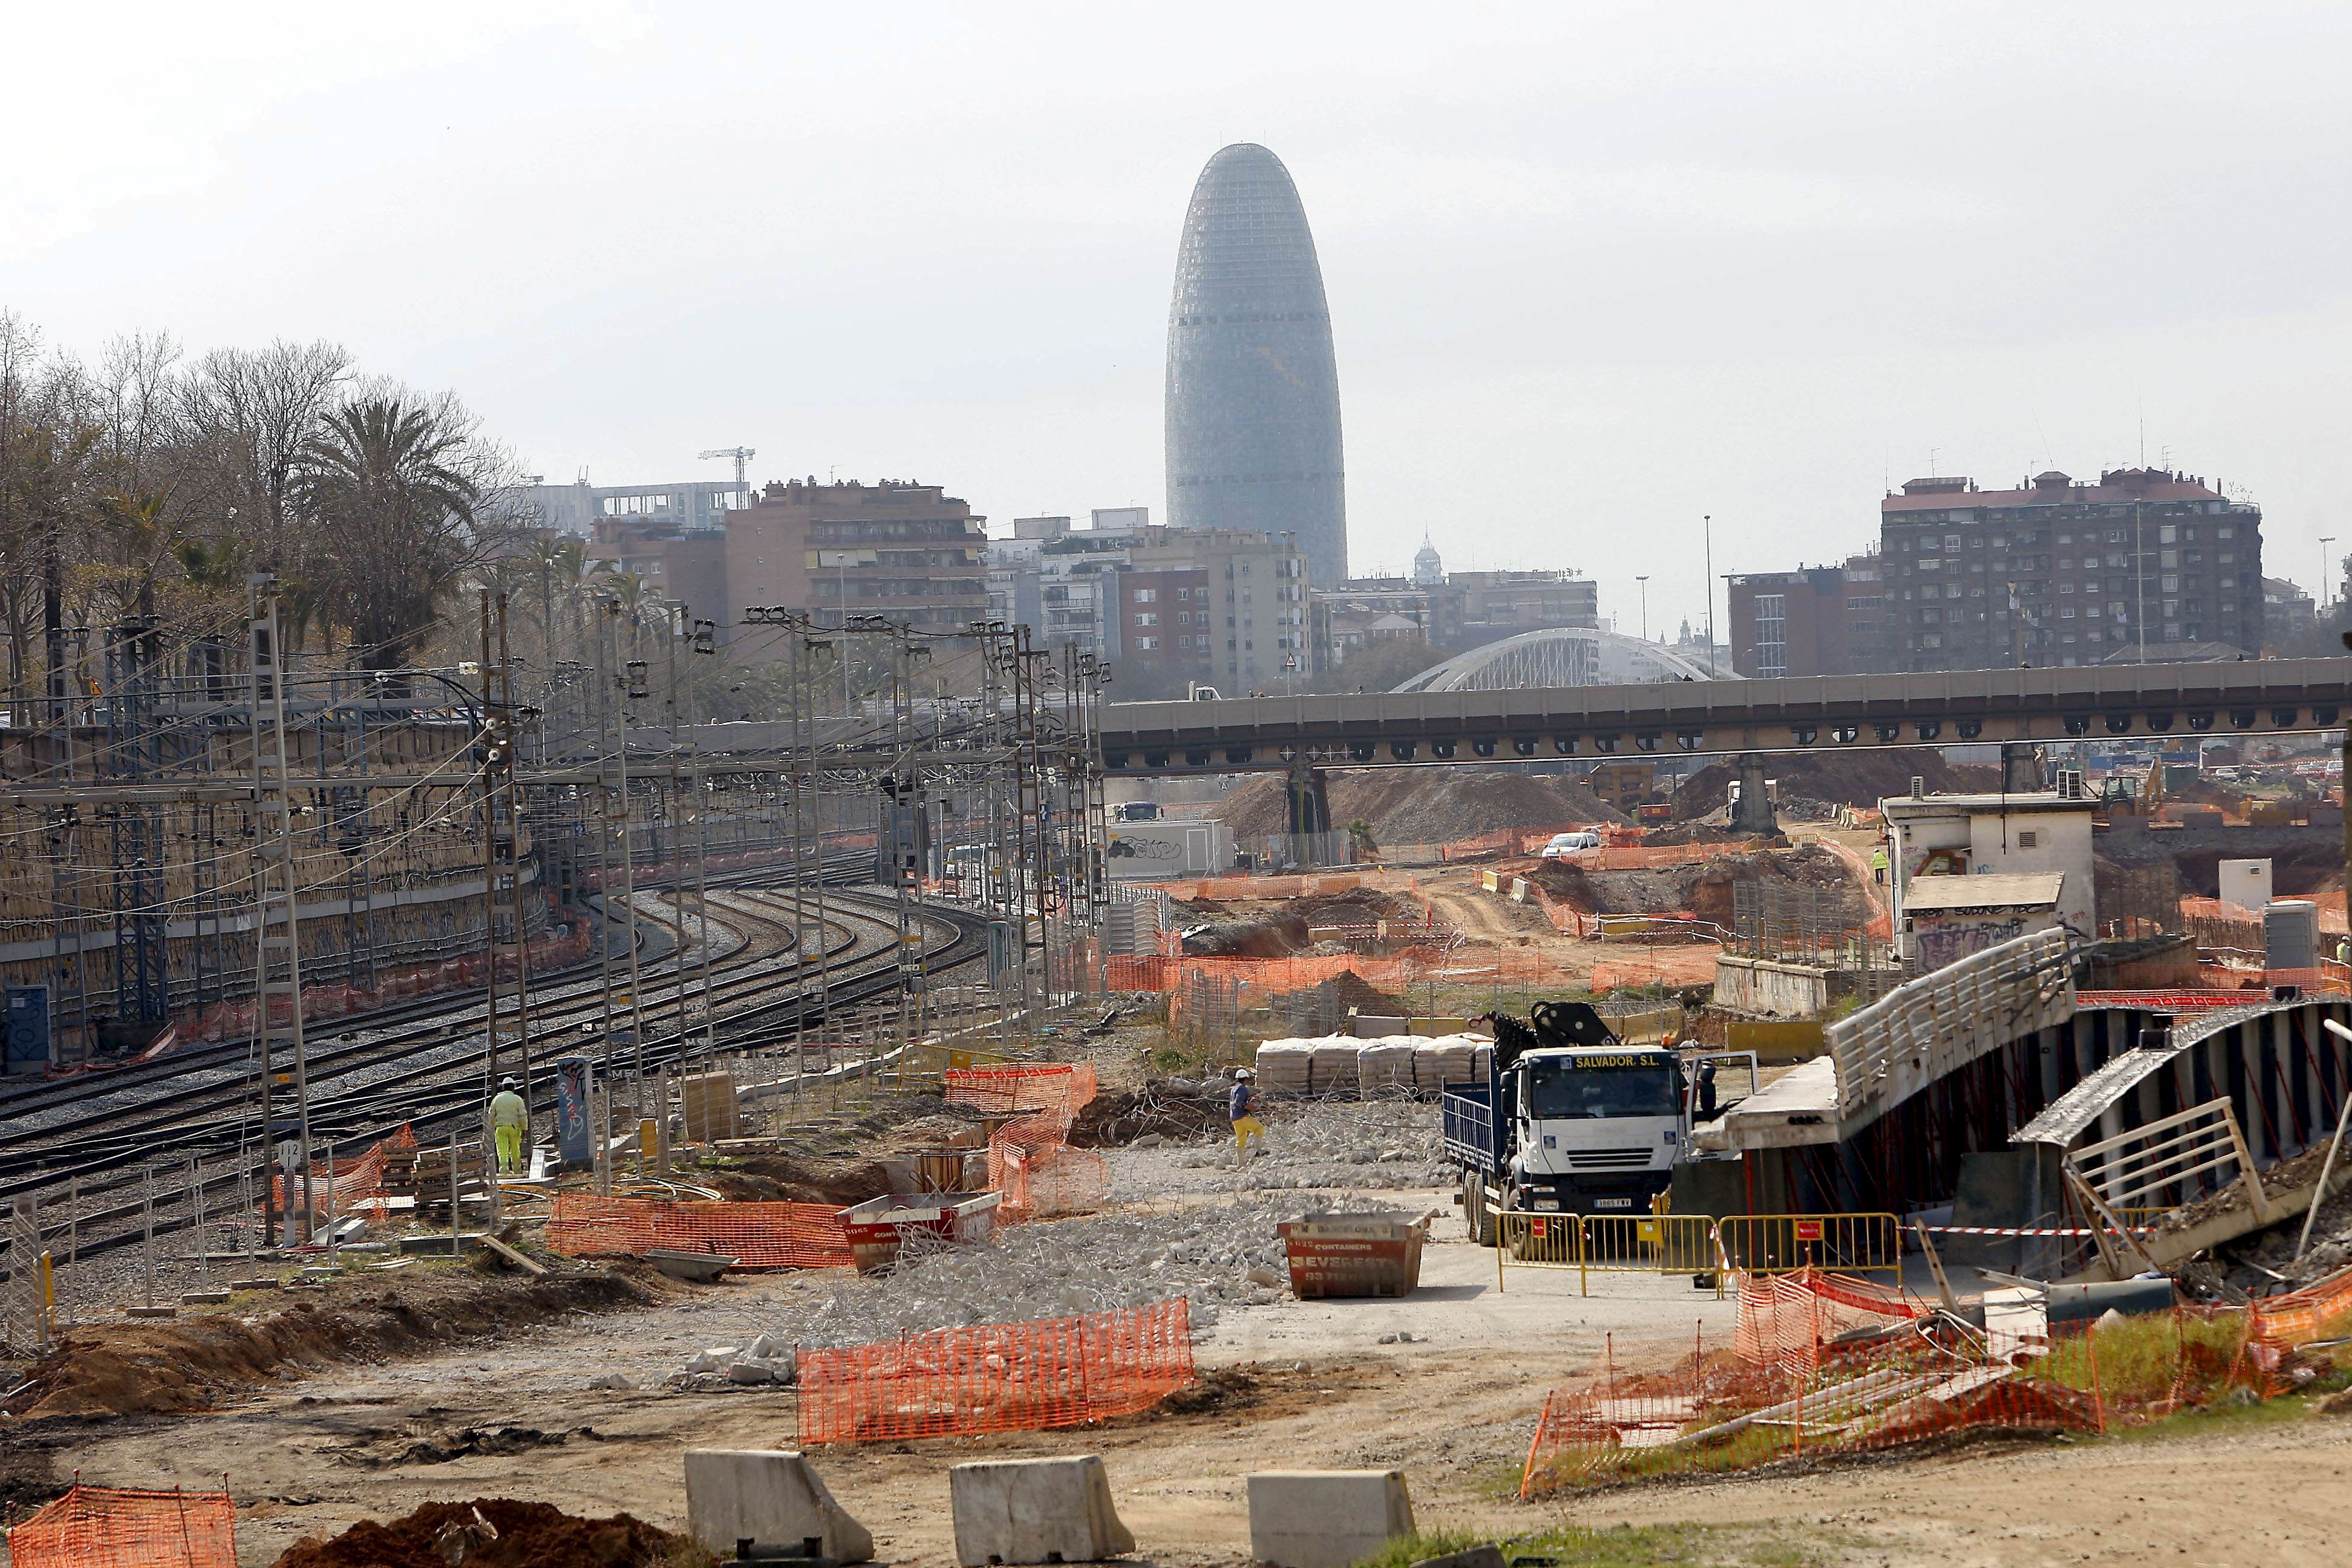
1998, 1230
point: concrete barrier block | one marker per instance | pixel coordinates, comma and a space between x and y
771, 1497
1326, 1519
1034, 1510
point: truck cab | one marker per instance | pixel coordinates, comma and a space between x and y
1583, 1130
1571, 1121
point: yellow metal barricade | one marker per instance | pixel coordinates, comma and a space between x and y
1606, 1244
1785, 1243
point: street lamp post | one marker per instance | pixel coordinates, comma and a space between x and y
1708, 524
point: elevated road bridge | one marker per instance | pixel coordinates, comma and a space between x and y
1693, 717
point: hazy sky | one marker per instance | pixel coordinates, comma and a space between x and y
1594, 270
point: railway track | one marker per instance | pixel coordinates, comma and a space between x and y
22, 1105
772, 998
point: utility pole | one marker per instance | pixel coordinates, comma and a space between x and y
489, 808
504, 761
633, 675
278, 937
602, 705
706, 644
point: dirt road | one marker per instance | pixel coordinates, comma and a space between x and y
1291, 1385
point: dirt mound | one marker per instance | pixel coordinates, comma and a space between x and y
185, 1363
1424, 805
1706, 889
1284, 929
1847, 778
798, 1179
1115, 1120
528, 1535
1262, 934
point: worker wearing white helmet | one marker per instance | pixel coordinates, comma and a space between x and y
509, 1119
1239, 1110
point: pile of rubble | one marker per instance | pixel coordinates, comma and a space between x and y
1214, 1254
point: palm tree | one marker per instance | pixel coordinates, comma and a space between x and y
388, 480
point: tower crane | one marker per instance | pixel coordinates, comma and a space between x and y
742, 455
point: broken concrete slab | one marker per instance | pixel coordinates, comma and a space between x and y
1034, 1510
1471, 1557
771, 1497
1326, 1519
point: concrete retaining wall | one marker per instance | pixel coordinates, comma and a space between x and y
1773, 989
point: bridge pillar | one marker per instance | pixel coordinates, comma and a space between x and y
2021, 768
1309, 803
1752, 812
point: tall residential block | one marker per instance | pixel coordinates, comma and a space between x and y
2145, 564
1253, 392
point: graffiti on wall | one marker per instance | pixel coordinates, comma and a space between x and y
1948, 941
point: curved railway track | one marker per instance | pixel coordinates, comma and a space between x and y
772, 997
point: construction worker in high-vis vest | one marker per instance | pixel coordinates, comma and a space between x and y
508, 1119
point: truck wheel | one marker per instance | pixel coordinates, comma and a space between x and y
1474, 1211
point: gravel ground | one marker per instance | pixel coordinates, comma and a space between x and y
1348, 1145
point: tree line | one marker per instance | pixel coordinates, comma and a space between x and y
151, 483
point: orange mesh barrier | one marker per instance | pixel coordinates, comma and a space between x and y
1710, 1412
1003, 1377
1649, 857
762, 1235
2316, 1312
1322, 884
105, 1527
356, 1180
1031, 1161
1693, 966
1915, 1380
1059, 1088
1785, 1318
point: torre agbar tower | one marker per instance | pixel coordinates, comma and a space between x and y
1253, 402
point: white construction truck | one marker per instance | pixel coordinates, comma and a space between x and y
1573, 1121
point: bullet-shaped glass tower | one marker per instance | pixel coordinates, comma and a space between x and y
1253, 402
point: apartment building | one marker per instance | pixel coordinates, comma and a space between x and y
2143, 563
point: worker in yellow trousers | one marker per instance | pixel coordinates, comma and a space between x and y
1239, 1112
509, 1119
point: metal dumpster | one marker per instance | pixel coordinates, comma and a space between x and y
1353, 1253
876, 1228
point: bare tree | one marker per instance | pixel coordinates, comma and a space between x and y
245, 416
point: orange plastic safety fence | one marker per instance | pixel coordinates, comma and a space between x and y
2320, 1310
1321, 885
1830, 1365
1031, 1161
1648, 856
1003, 1377
761, 1236
356, 1180
1785, 1318
1692, 965
107, 1527
1011, 1088
1711, 1412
